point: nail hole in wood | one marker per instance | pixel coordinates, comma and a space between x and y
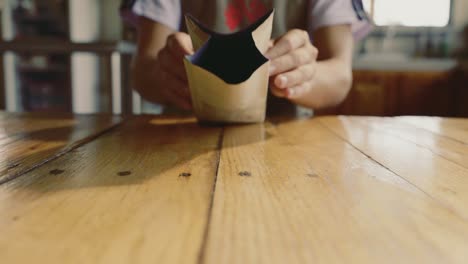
185, 174
245, 174
15, 218
124, 173
56, 172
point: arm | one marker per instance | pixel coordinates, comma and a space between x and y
158, 72
314, 77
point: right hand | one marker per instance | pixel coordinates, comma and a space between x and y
170, 70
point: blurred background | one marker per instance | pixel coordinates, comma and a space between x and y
55, 59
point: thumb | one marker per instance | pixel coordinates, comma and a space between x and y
180, 44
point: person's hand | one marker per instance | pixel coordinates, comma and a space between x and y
293, 64
170, 71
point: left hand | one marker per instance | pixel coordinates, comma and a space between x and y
293, 64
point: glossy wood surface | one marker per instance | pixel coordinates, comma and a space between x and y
28, 140
153, 189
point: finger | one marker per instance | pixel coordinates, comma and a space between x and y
177, 100
271, 43
298, 91
180, 87
180, 102
180, 44
278, 92
172, 64
294, 59
295, 77
292, 40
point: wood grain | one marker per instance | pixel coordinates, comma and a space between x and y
139, 194
455, 128
439, 144
28, 140
165, 190
441, 178
299, 194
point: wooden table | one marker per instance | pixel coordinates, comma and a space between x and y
148, 189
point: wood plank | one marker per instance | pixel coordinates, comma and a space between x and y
2, 80
28, 140
313, 198
442, 179
456, 128
447, 148
138, 194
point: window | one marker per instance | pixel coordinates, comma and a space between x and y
411, 13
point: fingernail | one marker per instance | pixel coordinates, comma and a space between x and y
282, 81
290, 93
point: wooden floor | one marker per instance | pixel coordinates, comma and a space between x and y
148, 189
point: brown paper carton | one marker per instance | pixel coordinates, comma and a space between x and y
228, 74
